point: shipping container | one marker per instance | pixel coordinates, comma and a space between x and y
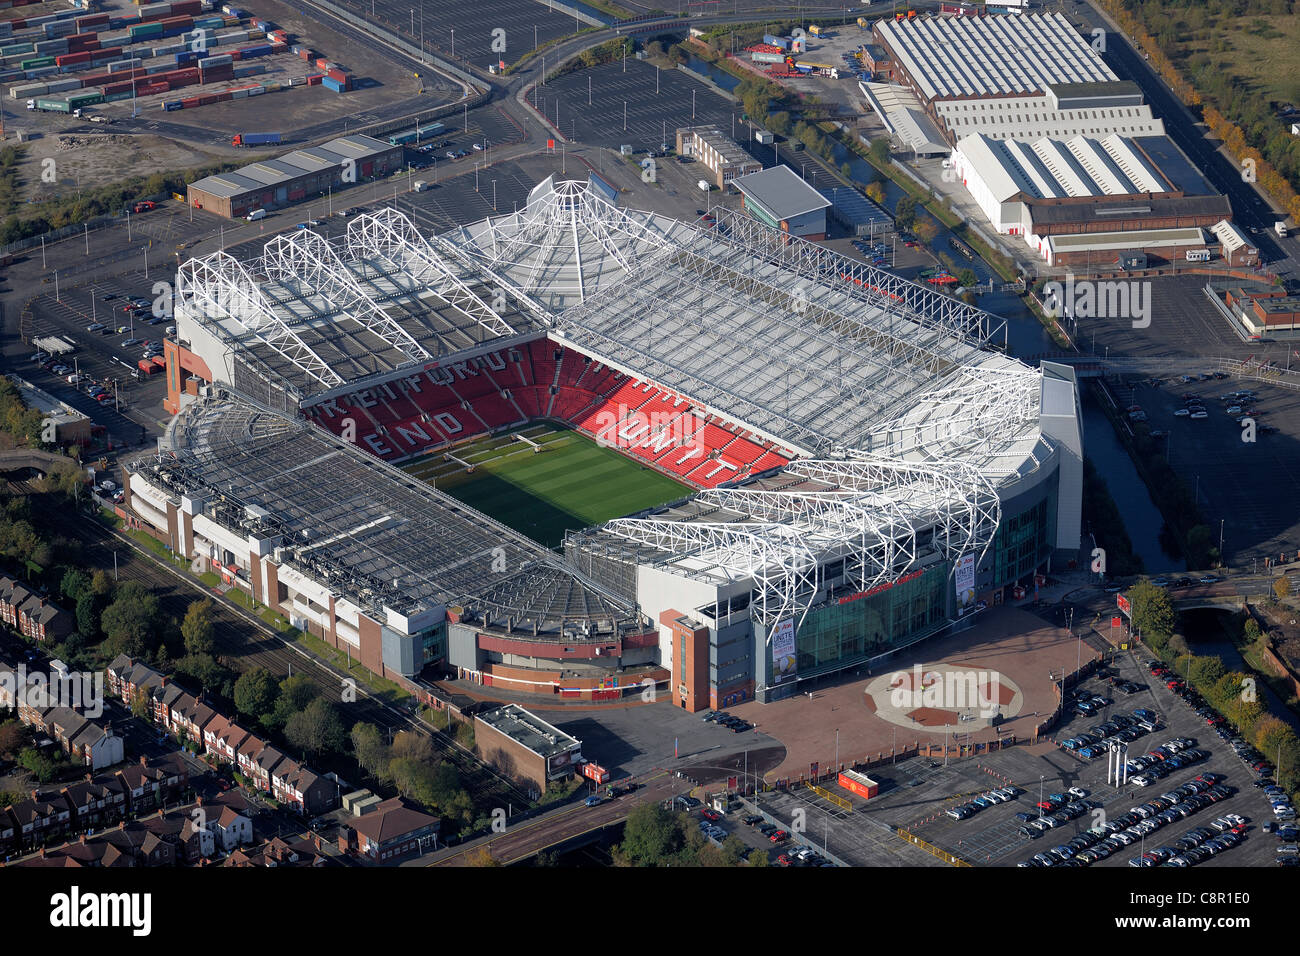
55, 106
335, 85
62, 86
767, 57
72, 59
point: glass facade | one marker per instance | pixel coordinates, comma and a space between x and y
433, 644
1023, 542
837, 635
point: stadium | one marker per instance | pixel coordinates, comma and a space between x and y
578, 448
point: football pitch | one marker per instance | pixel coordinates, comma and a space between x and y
571, 483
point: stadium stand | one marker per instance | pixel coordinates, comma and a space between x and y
457, 401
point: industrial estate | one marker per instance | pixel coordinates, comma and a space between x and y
784, 436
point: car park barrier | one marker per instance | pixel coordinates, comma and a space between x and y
949, 858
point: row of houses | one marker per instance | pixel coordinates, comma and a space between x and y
32, 614
91, 742
100, 800
186, 716
191, 834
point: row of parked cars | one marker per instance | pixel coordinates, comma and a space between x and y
1120, 728
877, 251
1099, 842
1196, 845
800, 856
987, 799
1157, 764
724, 719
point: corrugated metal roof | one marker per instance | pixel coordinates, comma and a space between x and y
781, 192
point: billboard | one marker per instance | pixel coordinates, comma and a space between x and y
1123, 604
965, 579
784, 662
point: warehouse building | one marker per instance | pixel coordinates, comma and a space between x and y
778, 198
721, 155
524, 747
1025, 78
1046, 190
294, 177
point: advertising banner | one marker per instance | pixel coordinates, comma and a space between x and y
965, 579
1123, 604
784, 662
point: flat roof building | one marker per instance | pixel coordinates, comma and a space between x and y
523, 746
720, 154
294, 177
70, 425
778, 197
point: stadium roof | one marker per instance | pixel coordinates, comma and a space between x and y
758, 327
312, 315
912, 422
369, 531
781, 192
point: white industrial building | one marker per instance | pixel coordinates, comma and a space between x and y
1024, 78
1001, 175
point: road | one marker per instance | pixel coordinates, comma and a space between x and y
558, 826
1249, 209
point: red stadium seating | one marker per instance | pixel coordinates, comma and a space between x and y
451, 402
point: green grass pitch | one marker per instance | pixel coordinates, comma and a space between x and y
572, 483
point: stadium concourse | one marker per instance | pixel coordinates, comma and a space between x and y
867, 465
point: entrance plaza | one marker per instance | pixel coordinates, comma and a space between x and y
944, 689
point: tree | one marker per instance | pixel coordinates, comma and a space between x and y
316, 729
927, 230
880, 151
412, 746
373, 755
465, 735
40, 766
967, 277
758, 858
74, 584
142, 706
481, 857
651, 836
88, 615
12, 737
255, 693
196, 629
905, 213
131, 621
101, 582
876, 192
296, 692
1282, 588
1153, 610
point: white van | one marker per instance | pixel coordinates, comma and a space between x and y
420, 185
256, 214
